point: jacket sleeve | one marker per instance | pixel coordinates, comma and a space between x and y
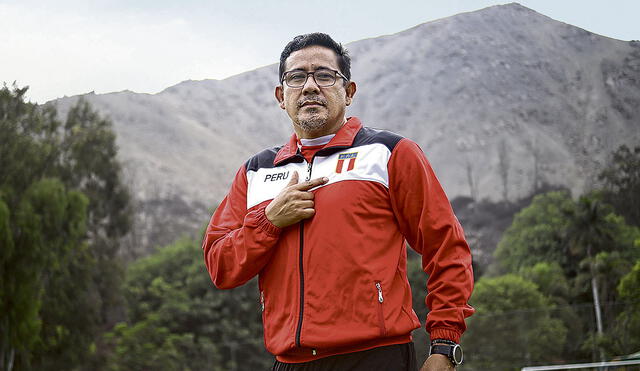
431, 228
238, 244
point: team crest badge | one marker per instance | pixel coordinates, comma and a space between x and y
350, 157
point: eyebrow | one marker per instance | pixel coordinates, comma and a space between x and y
319, 68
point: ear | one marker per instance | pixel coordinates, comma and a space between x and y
279, 93
350, 91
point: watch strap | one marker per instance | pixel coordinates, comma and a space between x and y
444, 349
443, 341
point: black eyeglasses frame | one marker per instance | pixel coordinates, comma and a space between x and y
338, 73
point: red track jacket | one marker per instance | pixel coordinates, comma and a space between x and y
337, 282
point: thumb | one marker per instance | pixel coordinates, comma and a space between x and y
294, 179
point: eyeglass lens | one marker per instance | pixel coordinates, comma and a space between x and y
323, 78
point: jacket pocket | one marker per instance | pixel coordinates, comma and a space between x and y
380, 299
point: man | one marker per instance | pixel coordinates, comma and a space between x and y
323, 222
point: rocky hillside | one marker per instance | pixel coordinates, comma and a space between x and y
502, 100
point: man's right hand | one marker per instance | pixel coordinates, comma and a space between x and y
294, 202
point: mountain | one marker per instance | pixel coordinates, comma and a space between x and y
499, 96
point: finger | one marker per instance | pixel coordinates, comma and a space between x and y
307, 213
311, 183
294, 179
304, 195
305, 204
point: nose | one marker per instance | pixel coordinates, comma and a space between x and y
310, 86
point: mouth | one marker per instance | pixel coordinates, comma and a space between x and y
311, 103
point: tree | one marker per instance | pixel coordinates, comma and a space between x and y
556, 229
556, 288
418, 281
89, 164
592, 245
627, 336
536, 234
622, 183
178, 320
588, 233
511, 314
45, 232
596, 238
59, 189
550, 280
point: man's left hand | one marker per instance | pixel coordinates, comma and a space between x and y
437, 362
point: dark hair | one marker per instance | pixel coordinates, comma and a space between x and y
321, 39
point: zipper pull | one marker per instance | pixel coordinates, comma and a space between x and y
380, 298
309, 164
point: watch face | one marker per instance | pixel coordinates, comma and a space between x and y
458, 357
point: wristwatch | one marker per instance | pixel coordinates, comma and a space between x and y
449, 349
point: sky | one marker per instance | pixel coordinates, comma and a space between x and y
70, 47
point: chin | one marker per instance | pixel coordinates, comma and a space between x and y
312, 124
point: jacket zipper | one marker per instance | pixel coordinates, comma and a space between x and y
299, 330
383, 329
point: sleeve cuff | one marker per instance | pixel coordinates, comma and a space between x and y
444, 333
265, 224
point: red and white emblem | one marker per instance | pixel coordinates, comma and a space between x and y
346, 156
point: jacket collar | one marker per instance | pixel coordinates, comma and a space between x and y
344, 138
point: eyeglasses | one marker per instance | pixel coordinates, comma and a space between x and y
323, 77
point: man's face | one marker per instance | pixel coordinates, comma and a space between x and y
315, 111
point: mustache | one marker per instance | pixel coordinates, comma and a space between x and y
316, 99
